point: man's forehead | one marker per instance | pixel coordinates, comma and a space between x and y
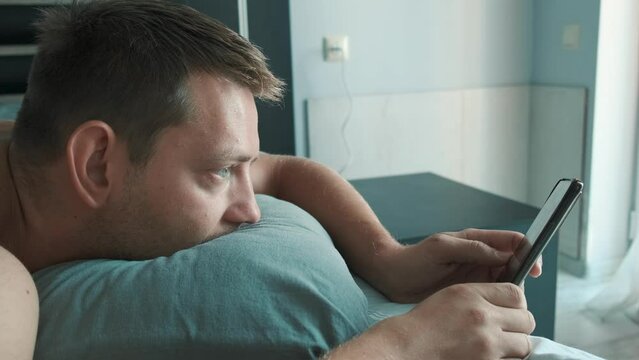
211, 89
221, 102
223, 122
217, 143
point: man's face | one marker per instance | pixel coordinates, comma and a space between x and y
197, 185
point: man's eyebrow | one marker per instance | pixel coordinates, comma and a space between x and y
238, 158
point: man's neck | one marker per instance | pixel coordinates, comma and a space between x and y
11, 217
32, 231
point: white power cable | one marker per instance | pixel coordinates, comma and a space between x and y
349, 154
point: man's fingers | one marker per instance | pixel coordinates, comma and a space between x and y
505, 295
502, 240
536, 269
515, 345
516, 320
461, 251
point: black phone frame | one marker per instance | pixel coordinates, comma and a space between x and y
550, 228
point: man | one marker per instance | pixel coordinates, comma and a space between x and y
139, 131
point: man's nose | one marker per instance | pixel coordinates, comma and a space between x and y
243, 208
245, 211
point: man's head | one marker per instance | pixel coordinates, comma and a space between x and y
127, 63
196, 185
148, 107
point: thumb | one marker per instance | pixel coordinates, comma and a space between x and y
467, 251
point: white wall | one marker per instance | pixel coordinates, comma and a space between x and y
557, 137
613, 138
509, 140
477, 136
408, 46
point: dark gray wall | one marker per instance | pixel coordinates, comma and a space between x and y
16, 29
269, 28
222, 10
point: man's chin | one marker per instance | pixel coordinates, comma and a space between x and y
184, 244
227, 230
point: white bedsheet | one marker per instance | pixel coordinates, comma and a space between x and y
380, 308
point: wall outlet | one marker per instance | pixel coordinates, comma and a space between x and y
336, 48
571, 37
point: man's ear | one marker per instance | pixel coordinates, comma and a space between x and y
90, 159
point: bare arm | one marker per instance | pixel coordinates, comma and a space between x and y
402, 273
353, 226
18, 309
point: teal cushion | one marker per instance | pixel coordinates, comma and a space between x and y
277, 289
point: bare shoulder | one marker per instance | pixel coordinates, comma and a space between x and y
18, 309
12, 272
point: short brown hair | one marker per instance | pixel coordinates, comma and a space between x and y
127, 63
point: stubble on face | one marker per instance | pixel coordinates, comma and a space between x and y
133, 228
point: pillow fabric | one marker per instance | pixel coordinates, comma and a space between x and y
277, 289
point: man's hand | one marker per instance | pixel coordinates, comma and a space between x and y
466, 321
411, 273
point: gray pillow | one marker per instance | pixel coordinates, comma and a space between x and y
277, 289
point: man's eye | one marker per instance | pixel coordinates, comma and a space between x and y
224, 172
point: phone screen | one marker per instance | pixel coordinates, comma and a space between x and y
548, 220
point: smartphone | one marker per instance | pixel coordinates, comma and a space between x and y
557, 206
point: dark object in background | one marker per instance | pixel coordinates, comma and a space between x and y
16, 54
